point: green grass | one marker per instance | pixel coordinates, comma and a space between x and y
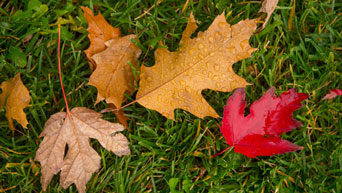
174, 156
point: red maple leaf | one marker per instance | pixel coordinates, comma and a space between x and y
258, 134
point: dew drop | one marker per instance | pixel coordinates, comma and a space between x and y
218, 35
167, 102
159, 98
200, 46
211, 39
149, 79
172, 104
182, 82
210, 74
224, 89
191, 51
218, 84
181, 64
204, 72
244, 44
215, 77
191, 71
231, 50
200, 56
240, 56
217, 67
222, 25
187, 89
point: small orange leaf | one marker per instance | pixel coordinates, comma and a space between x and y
205, 62
15, 97
99, 31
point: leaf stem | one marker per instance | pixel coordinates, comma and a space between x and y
228, 148
59, 69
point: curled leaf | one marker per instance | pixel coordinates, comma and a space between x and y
16, 97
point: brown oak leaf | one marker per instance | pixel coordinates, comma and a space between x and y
99, 31
81, 160
113, 75
205, 62
15, 97
268, 7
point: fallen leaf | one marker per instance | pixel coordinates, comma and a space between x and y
332, 94
205, 62
109, 56
268, 7
81, 160
99, 31
15, 97
258, 134
113, 75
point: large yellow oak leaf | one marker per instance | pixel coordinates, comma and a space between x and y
15, 97
113, 75
81, 160
99, 31
205, 62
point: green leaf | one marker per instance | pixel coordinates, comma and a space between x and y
17, 56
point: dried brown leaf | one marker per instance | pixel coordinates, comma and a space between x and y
99, 31
113, 75
16, 97
81, 160
205, 62
268, 7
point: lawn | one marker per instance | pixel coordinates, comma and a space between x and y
302, 50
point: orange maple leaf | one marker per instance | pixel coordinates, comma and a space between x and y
109, 56
99, 31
